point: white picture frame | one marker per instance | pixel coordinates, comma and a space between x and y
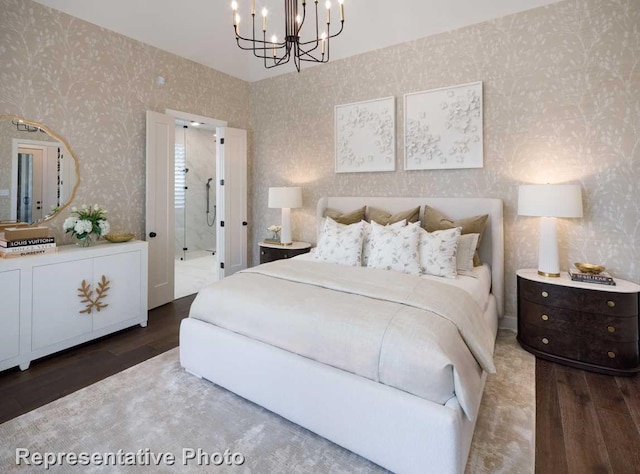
365, 136
443, 128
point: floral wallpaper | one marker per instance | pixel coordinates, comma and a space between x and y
561, 104
93, 86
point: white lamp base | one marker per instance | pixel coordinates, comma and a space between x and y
548, 260
285, 233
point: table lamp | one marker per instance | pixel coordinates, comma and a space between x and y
285, 198
549, 201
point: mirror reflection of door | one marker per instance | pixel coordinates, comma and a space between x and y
30, 171
39, 183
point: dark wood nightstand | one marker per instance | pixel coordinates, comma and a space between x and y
585, 325
270, 252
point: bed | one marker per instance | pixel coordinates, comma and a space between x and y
396, 426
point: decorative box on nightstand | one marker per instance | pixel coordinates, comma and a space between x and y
585, 325
271, 252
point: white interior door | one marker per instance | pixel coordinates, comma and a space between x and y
160, 229
231, 242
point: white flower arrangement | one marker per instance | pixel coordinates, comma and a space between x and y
86, 221
275, 229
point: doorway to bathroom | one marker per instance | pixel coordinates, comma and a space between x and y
195, 207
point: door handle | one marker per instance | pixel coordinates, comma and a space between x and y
244, 223
152, 234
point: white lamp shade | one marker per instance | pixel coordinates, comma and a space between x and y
286, 197
550, 200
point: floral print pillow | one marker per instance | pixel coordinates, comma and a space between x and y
438, 252
366, 241
339, 243
395, 248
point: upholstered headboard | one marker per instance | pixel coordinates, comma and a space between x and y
492, 246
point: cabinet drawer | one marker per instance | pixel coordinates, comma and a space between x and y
590, 301
612, 328
615, 355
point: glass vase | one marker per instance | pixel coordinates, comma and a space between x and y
87, 241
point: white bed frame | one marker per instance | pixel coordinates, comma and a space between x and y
397, 430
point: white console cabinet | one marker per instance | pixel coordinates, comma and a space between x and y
55, 301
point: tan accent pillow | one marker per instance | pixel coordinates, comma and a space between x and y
384, 218
433, 220
346, 219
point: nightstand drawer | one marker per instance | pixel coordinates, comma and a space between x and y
591, 301
611, 328
271, 254
601, 352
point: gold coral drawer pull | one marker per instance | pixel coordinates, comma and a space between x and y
611, 304
545, 340
611, 354
611, 329
545, 294
545, 317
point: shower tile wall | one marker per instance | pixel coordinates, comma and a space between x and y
200, 151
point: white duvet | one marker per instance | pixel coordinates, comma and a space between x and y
417, 335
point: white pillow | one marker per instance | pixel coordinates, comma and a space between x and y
366, 240
339, 243
438, 252
395, 248
464, 255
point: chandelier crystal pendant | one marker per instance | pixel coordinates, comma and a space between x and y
276, 53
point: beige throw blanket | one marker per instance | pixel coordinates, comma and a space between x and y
424, 337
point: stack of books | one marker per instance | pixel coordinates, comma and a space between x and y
21, 241
602, 278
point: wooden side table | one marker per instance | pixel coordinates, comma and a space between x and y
584, 325
271, 252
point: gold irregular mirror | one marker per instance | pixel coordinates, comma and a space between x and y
39, 171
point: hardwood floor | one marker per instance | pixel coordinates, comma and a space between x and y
585, 422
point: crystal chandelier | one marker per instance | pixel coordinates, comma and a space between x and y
276, 53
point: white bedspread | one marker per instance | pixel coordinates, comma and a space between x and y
417, 335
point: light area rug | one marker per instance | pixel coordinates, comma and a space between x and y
157, 406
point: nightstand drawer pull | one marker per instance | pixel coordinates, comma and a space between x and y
611, 354
545, 340
611, 329
611, 304
545, 294
545, 317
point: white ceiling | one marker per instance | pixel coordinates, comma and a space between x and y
201, 30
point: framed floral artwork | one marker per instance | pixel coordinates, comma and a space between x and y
365, 136
443, 128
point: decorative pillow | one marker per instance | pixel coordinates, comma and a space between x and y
395, 248
466, 250
366, 240
433, 220
340, 243
384, 218
346, 219
438, 252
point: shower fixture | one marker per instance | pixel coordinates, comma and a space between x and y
208, 185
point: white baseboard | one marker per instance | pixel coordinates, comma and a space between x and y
509, 322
